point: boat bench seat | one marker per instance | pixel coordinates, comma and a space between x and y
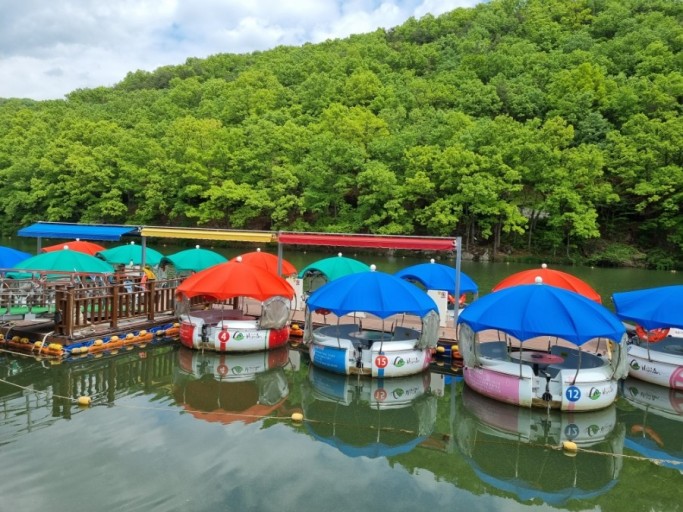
572, 360
494, 350
551, 370
212, 316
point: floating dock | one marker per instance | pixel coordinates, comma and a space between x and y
63, 317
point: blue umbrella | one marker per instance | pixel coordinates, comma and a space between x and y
653, 308
377, 293
436, 276
532, 310
10, 257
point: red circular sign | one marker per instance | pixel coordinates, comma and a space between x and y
222, 370
380, 395
223, 336
381, 361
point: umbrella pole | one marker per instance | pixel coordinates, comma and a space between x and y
578, 367
338, 338
381, 342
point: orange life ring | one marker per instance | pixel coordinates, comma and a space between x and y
461, 300
652, 336
638, 429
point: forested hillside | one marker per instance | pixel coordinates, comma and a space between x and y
548, 126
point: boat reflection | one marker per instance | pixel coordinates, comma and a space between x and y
653, 422
227, 387
514, 449
362, 416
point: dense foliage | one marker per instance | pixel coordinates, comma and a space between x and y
541, 125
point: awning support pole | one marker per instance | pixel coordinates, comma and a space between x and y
458, 265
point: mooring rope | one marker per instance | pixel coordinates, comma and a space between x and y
29, 354
657, 461
593, 452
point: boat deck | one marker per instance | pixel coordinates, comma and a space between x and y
670, 345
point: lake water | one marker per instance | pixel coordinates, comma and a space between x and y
174, 429
167, 432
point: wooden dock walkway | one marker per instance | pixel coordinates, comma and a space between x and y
76, 310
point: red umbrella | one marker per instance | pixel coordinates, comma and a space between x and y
266, 261
552, 277
236, 279
86, 247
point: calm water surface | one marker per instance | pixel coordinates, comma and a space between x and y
169, 432
174, 429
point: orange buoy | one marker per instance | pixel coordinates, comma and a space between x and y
653, 335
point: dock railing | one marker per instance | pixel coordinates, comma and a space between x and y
111, 303
77, 302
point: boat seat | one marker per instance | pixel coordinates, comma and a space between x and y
571, 358
552, 370
494, 350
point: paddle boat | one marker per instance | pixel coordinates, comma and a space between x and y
657, 357
231, 330
225, 324
381, 351
541, 346
514, 449
655, 319
350, 349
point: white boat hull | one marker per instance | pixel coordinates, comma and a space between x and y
230, 335
578, 381
345, 350
661, 365
590, 391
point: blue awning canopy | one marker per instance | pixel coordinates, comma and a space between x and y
107, 232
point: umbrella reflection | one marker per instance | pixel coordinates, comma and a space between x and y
361, 416
654, 423
510, 448
225, 388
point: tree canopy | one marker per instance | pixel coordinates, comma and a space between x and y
541, 125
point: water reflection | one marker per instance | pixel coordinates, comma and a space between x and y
511, 448
36, 393
424, 441
221, 387
654, 421
362, 416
